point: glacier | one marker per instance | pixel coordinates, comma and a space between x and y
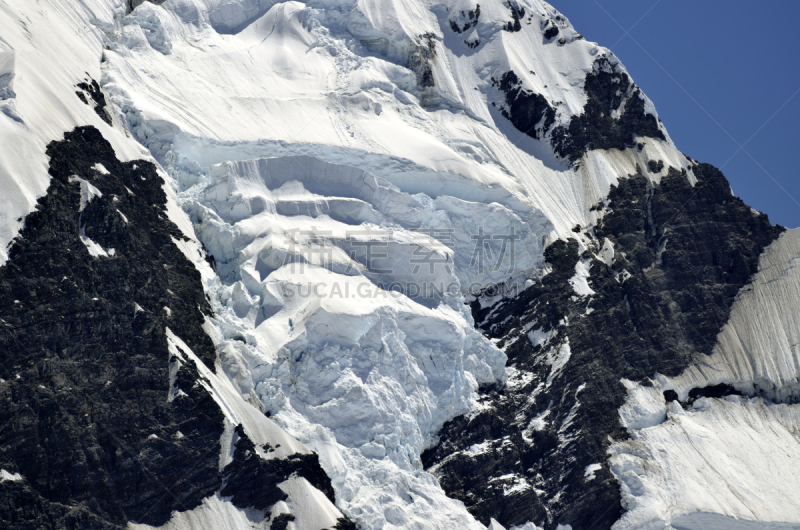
284, 128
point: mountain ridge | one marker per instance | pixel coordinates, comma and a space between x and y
450, 271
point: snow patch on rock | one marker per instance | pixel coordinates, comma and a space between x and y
8, 476
88, 191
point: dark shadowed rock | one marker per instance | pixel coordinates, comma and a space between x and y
86, 417
90, 93
607, 87
529, 112
681, 254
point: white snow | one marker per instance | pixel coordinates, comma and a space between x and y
758, 350
311, 509
494, 525
280, 128
47, 48
557, 358
580, 282
7, 72
712, 521
304, 503
326, 97
538, 423
591, 469
8, 476
95, 249
539, 337
364, 376
219, 514
88, 191
606, 254
735, 457
725, 463
644, 406
260, 429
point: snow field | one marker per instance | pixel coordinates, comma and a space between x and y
734, 457
285, 125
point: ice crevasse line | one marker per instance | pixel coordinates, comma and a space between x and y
365, 382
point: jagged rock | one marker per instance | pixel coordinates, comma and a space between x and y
655, 166
470, 20
529, 112
551, 32
88, 419
133, 4
251, 481
681, 254
91, 89
607, 87
517, 13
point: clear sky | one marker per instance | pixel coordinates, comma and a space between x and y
722, 74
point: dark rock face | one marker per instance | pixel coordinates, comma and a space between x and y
133, 4
551, 32
607, 88
517, 14
466, 20
345, 524
282, 522
529, 112
713, 391
655, 166
420, 59
613, 116
86, 372
250, 480
682, 253
90, 91
84, 363
469, 19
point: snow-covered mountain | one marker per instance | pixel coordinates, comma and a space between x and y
371, 264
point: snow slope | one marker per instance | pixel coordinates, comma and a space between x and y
331, 81
734, 457
46, 48
758, 350
287, 127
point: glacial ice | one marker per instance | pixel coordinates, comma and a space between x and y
363, 375
246, 105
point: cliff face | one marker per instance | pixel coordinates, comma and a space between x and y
102, 419
659, 277
424, 264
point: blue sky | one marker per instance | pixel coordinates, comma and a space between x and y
722, 74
